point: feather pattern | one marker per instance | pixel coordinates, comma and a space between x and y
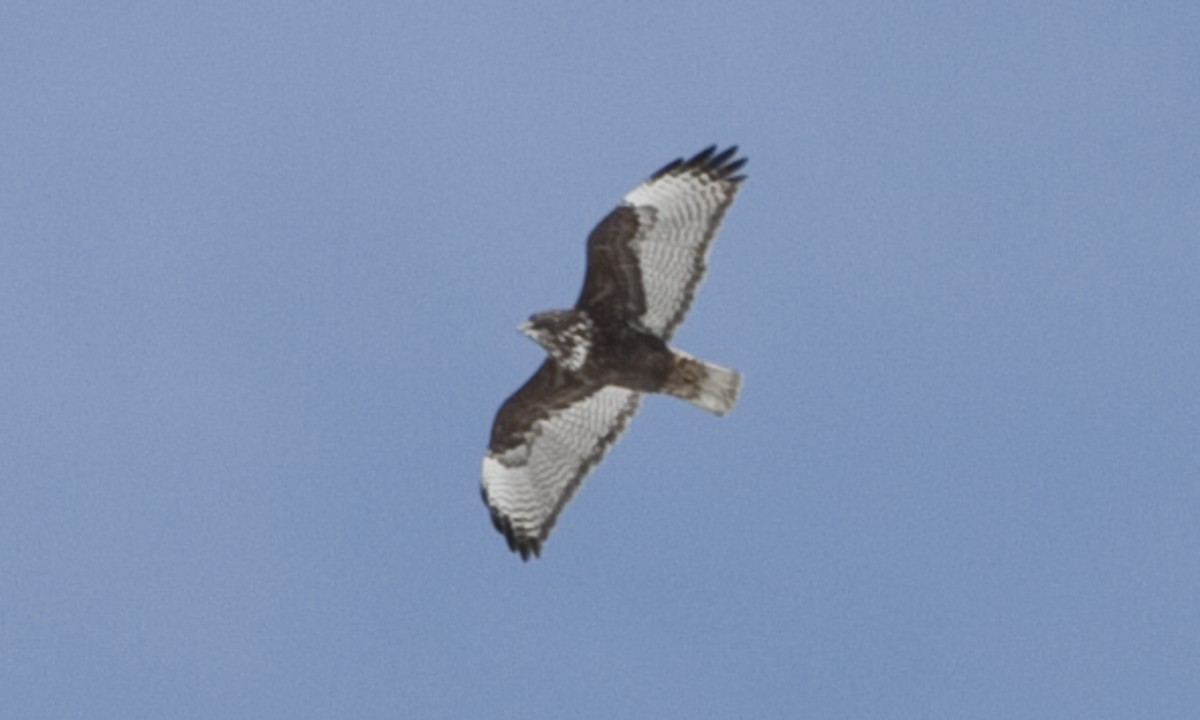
645, 260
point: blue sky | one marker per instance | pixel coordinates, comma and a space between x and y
260, 270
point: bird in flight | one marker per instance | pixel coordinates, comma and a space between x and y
644, 263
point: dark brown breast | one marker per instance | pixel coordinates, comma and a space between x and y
624, 356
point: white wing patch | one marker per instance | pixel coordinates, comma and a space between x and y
528, 485
678, 215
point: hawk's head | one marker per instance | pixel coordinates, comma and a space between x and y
566, 335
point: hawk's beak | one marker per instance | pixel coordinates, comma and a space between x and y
525, 327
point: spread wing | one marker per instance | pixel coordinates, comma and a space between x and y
646, 259
545, 440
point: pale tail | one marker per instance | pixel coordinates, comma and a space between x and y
707, 385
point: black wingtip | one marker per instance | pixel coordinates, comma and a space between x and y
523, 545
518, 542
722, 158
702, 158
529, 547
669, 167
721, 165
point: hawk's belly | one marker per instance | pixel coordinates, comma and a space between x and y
630, 359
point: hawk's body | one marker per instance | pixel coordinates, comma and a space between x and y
645, 260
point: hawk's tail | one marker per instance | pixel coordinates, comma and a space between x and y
712, 387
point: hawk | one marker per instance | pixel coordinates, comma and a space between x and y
644, 262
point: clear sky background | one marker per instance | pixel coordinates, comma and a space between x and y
260, 270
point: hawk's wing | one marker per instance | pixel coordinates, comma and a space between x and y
545, 439
647, 257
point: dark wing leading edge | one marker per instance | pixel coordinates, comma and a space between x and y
545, 440
647, 257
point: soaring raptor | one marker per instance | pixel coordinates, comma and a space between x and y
644, 262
